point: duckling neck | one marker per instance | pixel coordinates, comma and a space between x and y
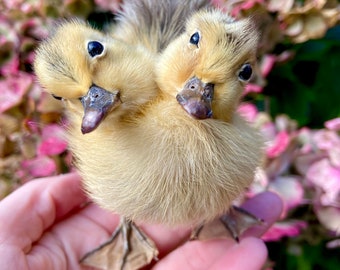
167, 113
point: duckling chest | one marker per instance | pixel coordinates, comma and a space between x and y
164, 166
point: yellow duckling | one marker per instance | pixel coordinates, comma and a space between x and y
215, 55
74, 63
144, 157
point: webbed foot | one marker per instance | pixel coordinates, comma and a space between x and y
235, 222
128, 248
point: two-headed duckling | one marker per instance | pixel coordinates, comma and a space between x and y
143, 156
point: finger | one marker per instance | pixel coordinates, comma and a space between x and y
31, 209
69, 240
249, 253
194, 255
216, 254
267, 206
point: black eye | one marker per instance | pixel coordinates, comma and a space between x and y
95, 48
56, 97
245, 72
195, 38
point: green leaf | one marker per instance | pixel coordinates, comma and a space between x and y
307, 88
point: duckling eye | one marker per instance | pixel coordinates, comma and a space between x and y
245, 72
95, 48
57, 97
195, 38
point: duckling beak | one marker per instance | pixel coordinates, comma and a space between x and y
97, 103
196, 98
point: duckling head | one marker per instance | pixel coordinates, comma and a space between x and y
86, 67
207, 66
62, 62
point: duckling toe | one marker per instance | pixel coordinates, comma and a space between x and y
233, 224
128, 248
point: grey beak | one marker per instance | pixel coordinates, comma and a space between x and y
196, 98
97, 103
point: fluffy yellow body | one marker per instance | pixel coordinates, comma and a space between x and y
166, 167
149, 160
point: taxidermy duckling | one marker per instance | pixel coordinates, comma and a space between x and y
154, 24
142, 156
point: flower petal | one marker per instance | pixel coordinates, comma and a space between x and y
53, 141
278, 145
290, 189
248, 111
329, 217
13, 90
326, 139
284, 229
40, 166
326, 177
333, 124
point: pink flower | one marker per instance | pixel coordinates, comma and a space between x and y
326, 177
108, 4
326, 139
267, 64
52, 146
11, 67
28, 7
33, 27
25, 7
291, 191
13, 4
252, 88
329, 217
333, 244
13, 89
304, 137
248, 111
333, 124
53, 141
278, 145
268, 131
40, 166
284, 229
334, 156
282, 6
259, 184
283, 122
304, 161
9, 44
245, 5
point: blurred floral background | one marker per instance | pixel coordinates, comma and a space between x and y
294, 100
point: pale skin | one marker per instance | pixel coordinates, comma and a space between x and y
48, 224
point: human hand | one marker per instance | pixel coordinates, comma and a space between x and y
47, 224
